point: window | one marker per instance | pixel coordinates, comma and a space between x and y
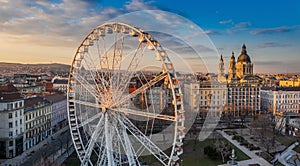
10, 125
9, 115
16, 123
9, 106
11, 143
16, 132
20, 113
16, 114
16, 105
20, 121
10, 134
20, 104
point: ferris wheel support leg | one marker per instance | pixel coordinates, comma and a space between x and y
108, 142
131, 155
93, 139
144, 140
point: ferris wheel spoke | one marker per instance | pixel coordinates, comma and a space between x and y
131, 154
102, 159
91, 119
144, 140
146, 114
93, 140
108, 142
90, 104
140, 89
131, 69
87, 86
103, 82
95, 75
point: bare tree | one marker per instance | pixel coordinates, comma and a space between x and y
42, 161
223, 148
262, 128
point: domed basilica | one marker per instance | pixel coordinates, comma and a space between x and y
238, 70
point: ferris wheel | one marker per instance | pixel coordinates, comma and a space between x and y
120, 110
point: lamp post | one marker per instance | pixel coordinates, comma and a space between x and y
233, 158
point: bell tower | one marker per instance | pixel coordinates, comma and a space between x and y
232, 69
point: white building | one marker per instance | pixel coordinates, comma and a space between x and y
206, 97
11, 121
59, 110
60, 83
280, 99
38, 114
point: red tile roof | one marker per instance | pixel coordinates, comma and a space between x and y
9, 92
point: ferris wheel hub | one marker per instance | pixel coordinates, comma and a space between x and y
103, 109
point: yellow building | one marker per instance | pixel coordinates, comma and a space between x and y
289, 83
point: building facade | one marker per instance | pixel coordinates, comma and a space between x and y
206, 97
59, 110
290, 83
280, 99
243, 98
11, 121
38, 117
243, 86
60, 83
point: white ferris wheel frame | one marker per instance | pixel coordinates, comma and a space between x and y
177, 102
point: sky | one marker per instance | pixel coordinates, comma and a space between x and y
42, 31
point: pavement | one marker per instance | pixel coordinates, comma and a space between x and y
255, 159
287, 155
52, 149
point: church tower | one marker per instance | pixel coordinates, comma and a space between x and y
221, 74
244, 66
232, 69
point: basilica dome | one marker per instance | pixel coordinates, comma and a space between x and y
244, 57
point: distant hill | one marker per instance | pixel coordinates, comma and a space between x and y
12, 68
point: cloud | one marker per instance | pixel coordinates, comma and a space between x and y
211, 32
241, 26
57, 22
271, 30
135, 5
226, 22
272, 44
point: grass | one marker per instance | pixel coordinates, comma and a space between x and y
229, 132
297, 149
72, 160
266, 156
285, 140
193, 155
196, 157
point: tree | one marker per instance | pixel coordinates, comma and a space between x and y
223, 148
262, 128
43, 161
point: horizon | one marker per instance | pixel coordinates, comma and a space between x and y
177, 71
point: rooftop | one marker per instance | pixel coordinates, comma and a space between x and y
280, 88
55, 98
30, 102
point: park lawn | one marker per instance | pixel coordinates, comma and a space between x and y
72, 160
196, 157
285, 140
190, 156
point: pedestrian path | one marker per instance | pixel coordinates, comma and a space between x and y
27, 155
251, 154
